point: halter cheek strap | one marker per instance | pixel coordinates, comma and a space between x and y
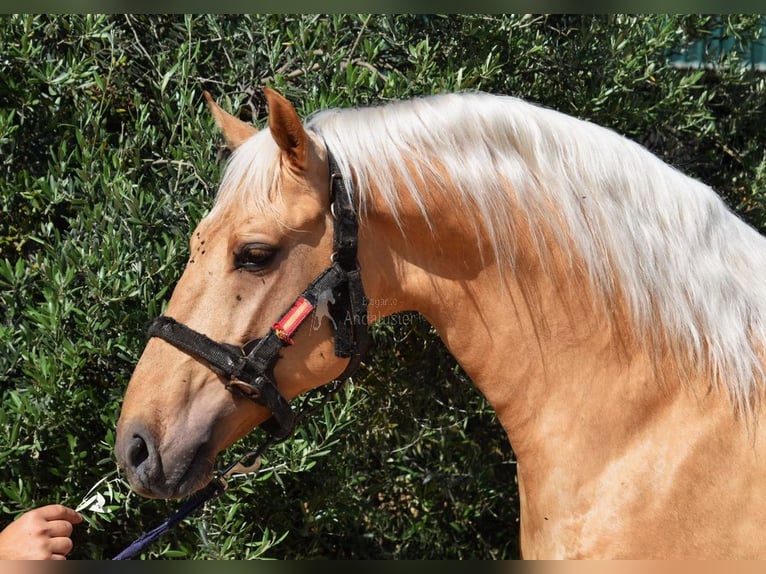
249, 369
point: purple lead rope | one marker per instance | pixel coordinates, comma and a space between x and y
215, 488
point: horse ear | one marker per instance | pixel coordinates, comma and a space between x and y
286, 127
235, 131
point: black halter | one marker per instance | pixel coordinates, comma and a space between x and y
249, 370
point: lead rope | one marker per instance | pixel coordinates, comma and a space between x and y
247, 463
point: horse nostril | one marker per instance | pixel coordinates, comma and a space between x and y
139, 458
137, 451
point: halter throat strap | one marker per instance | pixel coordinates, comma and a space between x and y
248, 370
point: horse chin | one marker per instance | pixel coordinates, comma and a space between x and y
198, 474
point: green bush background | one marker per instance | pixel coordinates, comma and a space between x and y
109, 159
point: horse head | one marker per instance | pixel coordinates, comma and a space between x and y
269, 234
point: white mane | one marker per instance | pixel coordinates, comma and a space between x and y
682, 260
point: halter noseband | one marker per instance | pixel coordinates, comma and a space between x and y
249, 369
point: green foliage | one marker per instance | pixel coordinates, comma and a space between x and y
109, 159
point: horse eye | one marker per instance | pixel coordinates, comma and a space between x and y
254, 256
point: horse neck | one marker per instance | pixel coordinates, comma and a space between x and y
531, 338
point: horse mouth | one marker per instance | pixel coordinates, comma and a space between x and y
191, 478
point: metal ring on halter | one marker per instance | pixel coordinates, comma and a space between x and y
245, 388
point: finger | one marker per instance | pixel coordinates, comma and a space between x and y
60, 512
58, 528
61, 546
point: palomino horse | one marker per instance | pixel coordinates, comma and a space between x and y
610, 309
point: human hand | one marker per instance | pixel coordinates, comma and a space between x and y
40, 534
